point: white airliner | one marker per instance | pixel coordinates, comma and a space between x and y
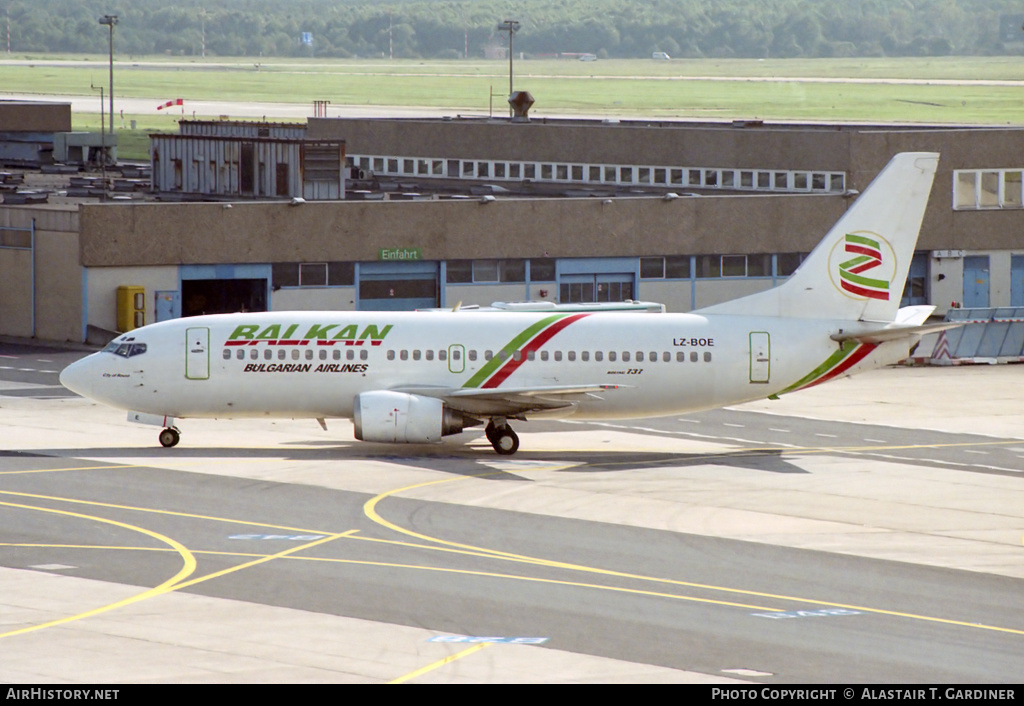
414, 377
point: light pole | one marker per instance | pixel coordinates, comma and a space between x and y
110, 21
510, 26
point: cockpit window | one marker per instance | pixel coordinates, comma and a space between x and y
125, 349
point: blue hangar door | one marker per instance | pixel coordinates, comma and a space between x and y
398, 286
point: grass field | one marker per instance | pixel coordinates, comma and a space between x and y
971, 90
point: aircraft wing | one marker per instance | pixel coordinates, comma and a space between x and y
512, 400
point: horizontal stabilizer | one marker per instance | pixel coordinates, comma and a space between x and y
910, 322
893, 332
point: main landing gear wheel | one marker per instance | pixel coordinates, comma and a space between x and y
169, 437
505, 441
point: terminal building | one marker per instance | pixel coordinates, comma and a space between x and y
438, 212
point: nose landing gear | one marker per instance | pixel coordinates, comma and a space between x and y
169, 437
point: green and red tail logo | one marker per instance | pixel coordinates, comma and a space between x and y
862, 275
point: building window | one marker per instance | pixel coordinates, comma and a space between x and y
709, 266
652, 268
482, 271
542, 269
787, 262
285, 274
734, 266
341, 274
485, 270
459, 271
759, 265
976, 189
512, 270
313, 274
626, 174
677, 267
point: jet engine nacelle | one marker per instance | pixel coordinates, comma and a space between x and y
397, 417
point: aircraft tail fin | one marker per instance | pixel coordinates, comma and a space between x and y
858, 270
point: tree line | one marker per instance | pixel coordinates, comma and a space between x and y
452, 29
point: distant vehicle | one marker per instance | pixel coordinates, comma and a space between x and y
588, 57
413, 377
660, 56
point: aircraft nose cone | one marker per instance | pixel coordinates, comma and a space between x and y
77, 377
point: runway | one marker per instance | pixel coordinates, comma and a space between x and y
865, 531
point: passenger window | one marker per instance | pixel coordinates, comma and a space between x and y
680, 357
558, 356
416, 354
323, 354
430, 354
693, 356
707, 356
571, 355
337, 354
268, 354
544, 355
531, 355
585, 355
611, 356
404, 355
598, 356
351, 354
309, 354
472, 354
653, 356
227, 354
456, 354
517, 356
363, 355
639, 356
391, 355
295, 353
488, 355
280, 353
667, 357
254, 354
442, 354
240, 354
625, 356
